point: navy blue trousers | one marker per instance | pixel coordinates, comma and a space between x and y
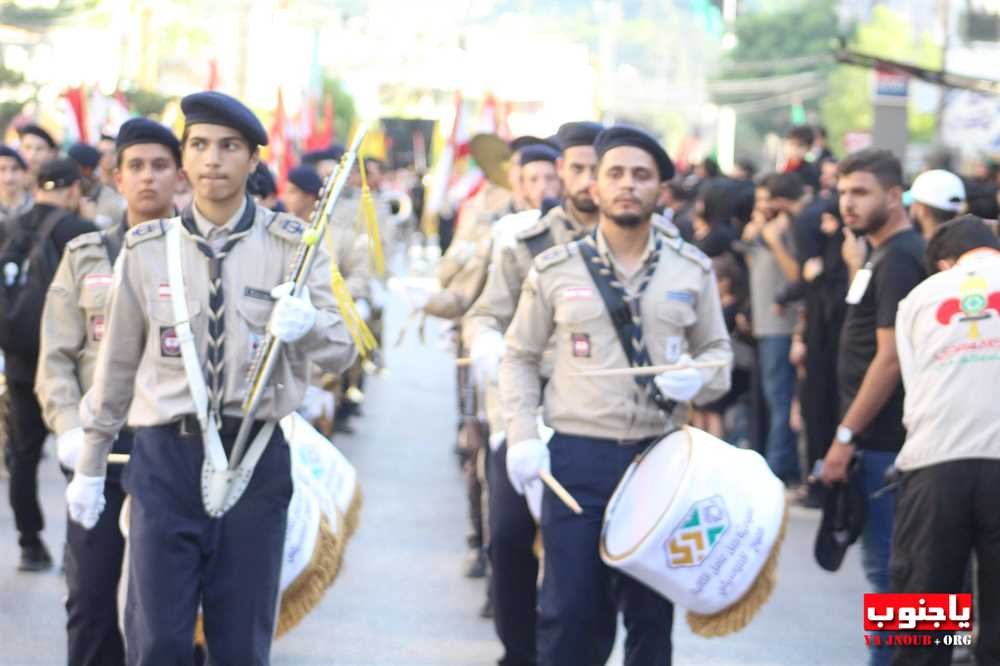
515, 573
93, 562
576, 580
180, 559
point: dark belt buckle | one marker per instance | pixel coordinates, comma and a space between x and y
189, 426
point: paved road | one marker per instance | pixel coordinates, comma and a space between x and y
400, 599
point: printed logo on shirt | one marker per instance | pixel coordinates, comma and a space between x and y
581, 345
170, 346
97, 327
97, 280
973, 305
577, 293
164, 290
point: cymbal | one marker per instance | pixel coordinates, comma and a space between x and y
492, 154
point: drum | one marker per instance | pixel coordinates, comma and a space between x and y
700, 522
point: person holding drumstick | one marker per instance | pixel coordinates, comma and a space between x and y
622, 296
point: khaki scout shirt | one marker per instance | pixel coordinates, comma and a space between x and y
140, 363
72, 327
474, 223
348, 246
494, 309
680, 313
110, 206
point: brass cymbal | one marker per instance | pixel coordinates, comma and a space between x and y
492, 155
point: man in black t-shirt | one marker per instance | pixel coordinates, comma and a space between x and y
868, 375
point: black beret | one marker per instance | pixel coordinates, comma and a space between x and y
7, 151
306, 179
84, 154
523, 142
334, 152
107, 137
622, 135
538, 152
578, 134
261, 182
58, 173
215, 108
32, 128
144, 130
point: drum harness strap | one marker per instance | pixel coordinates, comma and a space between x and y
624, 310
221, 488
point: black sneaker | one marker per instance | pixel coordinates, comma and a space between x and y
35, 558
475, 564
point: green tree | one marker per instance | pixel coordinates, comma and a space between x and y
343, 107
847, 105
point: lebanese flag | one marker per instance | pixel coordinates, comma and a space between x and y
76, 100
321, 135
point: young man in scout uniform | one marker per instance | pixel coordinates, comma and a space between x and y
222, 262
73, 323
666, 305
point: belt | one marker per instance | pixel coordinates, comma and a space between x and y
188, 425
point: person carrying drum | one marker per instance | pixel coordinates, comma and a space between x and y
624, 295
192, 299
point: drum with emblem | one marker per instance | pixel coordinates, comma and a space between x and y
700, 522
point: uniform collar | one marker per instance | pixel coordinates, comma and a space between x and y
605, 251
208, 229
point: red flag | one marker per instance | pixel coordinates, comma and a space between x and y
281, 151
320, 134
213, 75
78, 104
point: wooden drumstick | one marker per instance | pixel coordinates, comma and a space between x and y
648, 370
561, 492
118, 458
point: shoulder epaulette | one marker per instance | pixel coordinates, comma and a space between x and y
691, 253
287, 227
144, 232
551, 257
83, 240
536, 229
666, 228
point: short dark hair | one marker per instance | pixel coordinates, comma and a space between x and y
878, 162
801, 134
785, 186
958, 236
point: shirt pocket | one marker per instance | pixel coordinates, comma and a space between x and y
93, 302
255, 313
162, 341
669, 325
582, 334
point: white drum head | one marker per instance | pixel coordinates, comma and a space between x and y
645, 494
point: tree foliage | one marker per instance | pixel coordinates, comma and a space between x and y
847, 105
37, 18
343, 107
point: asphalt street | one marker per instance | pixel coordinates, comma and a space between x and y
400, 599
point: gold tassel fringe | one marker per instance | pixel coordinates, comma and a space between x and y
370, 219
737, 616
364, 340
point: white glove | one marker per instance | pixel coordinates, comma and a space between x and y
85, 499
526, 460
533, 496
364, 310
680, 385
293, 316
418, 296
68, 447
485, 353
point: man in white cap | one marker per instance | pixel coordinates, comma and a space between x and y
935, 197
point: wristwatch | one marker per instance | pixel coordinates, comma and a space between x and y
844, 434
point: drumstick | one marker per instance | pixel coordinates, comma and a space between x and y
463, 362
648, 370
561, 492
118, 458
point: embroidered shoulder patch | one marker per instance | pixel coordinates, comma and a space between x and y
83, 240
144, 232
551, 257
691, 253
287, 227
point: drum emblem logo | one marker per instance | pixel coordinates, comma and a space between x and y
698, 533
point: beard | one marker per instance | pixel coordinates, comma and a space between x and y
583, 203
875, 221
626, 220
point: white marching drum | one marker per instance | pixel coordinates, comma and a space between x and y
696, 520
